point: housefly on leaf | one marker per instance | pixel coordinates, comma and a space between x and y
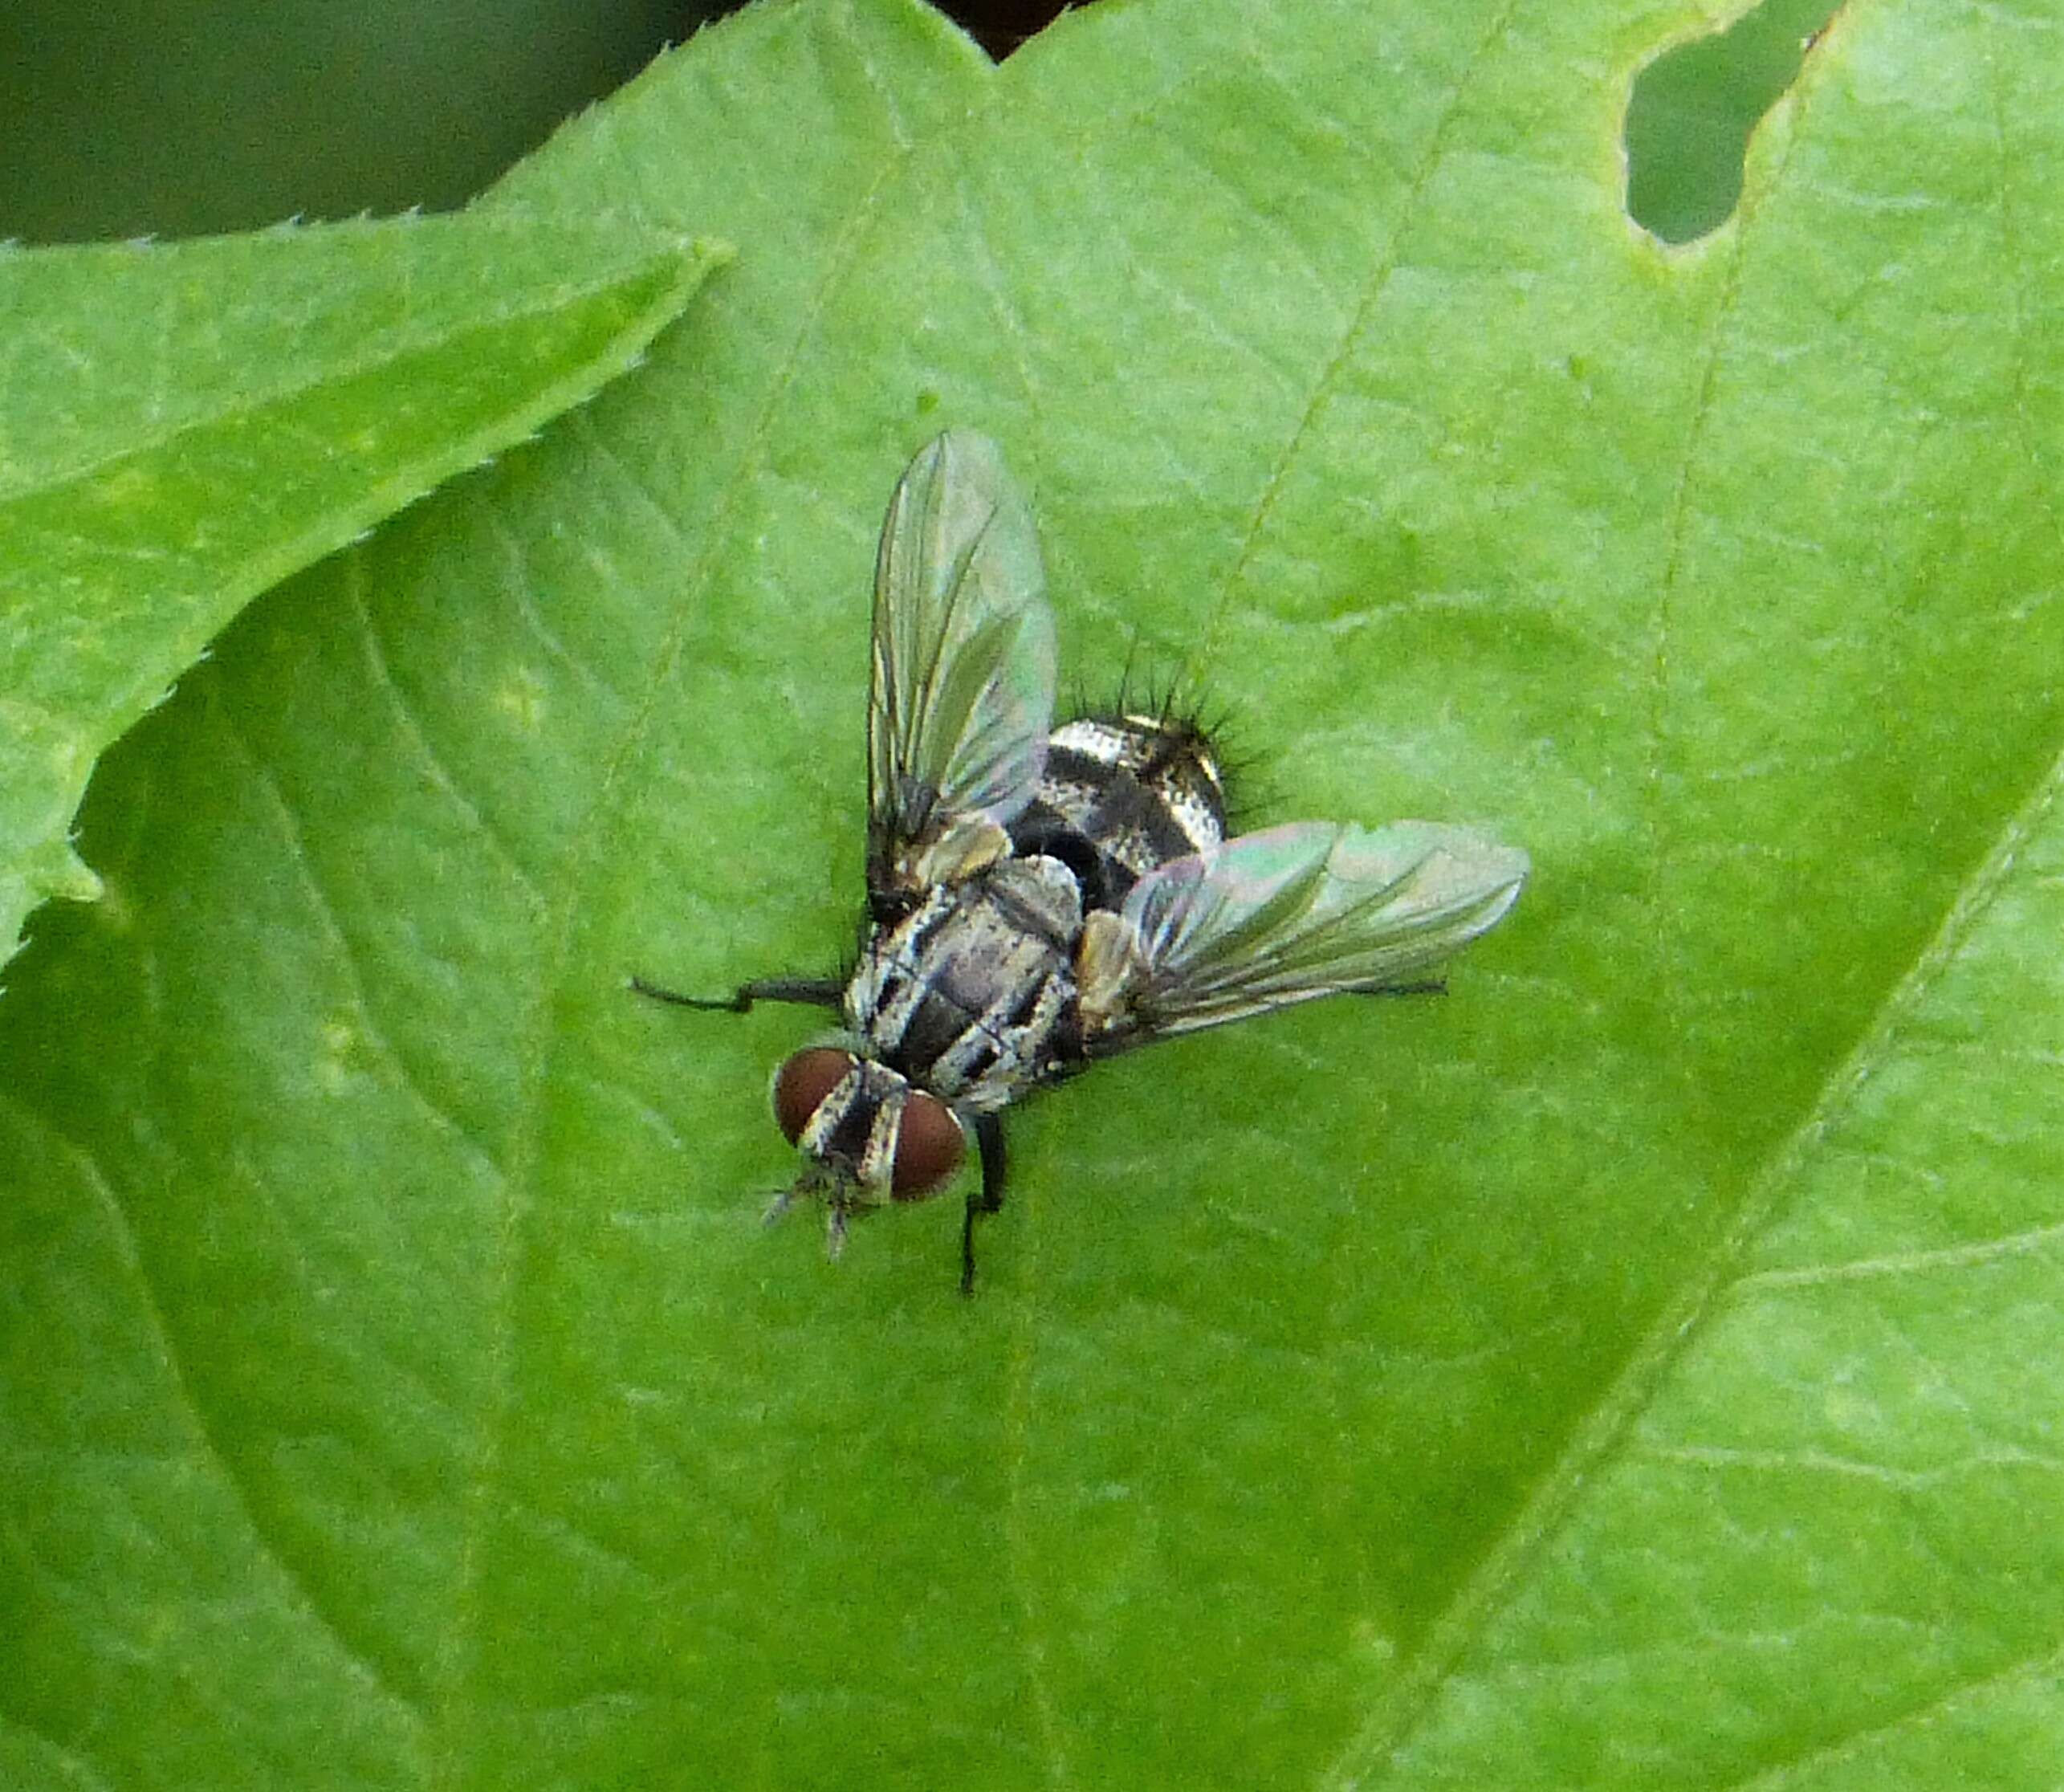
1039, 899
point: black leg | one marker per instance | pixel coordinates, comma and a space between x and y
1433, 986
816, 991
989, 1198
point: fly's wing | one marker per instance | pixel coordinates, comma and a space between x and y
963, 672
1315, 908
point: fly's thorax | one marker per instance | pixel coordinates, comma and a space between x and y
870, 1136
971, 996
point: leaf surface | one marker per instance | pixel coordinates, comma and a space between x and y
1633, 1370
183, 425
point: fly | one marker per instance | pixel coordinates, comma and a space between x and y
1039, 898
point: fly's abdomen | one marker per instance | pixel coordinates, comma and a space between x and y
1119, 796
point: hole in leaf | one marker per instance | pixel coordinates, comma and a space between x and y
1692, 109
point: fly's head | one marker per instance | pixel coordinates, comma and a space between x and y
869, 1136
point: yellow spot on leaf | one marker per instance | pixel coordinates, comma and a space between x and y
521, 697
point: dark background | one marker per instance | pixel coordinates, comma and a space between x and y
171, 118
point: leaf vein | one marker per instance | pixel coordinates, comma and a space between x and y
327, 917
1825, 1463
1019, 1553
299, 1593
2037, 1670
534, 1029
1608, 1432
78, 1770
405, 713
1908, 1263
520, 585
1343, 351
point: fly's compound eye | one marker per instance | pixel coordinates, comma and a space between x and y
802, 1083
929, 1147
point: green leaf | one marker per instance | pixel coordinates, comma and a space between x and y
1814, 1527
186, 424
1638, 1368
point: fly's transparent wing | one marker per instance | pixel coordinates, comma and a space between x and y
1315, 908
963, 691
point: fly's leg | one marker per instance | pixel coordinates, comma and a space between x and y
1433, 986
989, 1198
815, 992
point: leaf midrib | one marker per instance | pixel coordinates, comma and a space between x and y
448, 1708
1684, 1321
48, 475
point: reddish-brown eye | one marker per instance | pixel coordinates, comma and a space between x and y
929, 1148
803, 1083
